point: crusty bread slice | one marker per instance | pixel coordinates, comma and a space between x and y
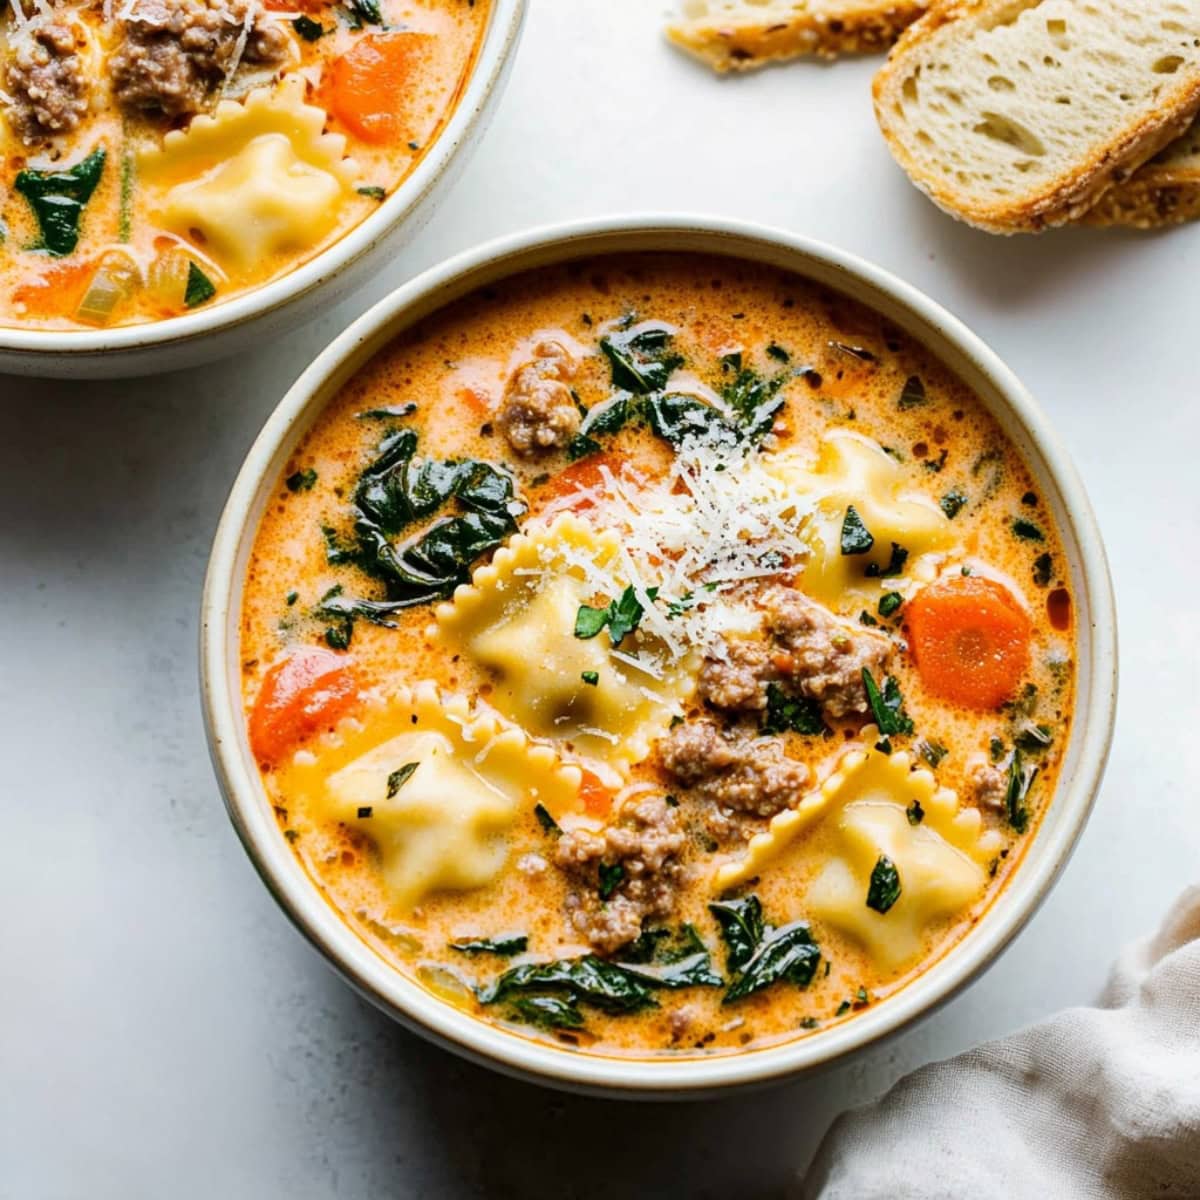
736, 35
1166, 191
1015, 115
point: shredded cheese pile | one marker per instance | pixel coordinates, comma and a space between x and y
715, 522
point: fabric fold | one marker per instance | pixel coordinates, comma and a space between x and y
1093, 1104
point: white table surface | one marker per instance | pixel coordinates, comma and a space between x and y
163, 1031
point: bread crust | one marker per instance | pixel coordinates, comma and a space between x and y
1075, 193
1156, 201
857, 27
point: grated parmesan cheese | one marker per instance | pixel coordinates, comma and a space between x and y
715, 522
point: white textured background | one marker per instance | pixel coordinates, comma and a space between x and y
163, 1031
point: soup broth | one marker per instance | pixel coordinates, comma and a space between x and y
164, 155
658, 654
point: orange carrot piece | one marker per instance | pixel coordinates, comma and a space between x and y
56, 292
370, 87
580, 476
594, 796
970, 639
304, 692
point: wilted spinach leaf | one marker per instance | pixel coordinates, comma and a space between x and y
787, 954
641, 362
887, 707
663, 959
505, 946
755, 400
58, 199
741, 923
395, 492
547, 1012
602, 984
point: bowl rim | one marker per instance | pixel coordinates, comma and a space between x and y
500, 42
512, 1053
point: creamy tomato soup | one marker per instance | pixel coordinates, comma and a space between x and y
658, 654
164, 155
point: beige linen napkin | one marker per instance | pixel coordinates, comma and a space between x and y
1099, 1103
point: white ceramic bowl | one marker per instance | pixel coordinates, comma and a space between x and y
405, 1000
255, 317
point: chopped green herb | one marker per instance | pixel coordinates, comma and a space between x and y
372, 192
302, 481
915, 813
386, 412
367, 11
545, 820
398, 778
1027, 531
1019, 783
58, 198
777, 352
791, 714
590, 621
591, 678
842, 1008
611, 875
365, 812
506, 945
887, 706
895, 564
890, 603
809, 1023
1034, 738
884, 889
199, 289
1043, 570
856, 537
1026, 702
308, 29
953, 502
862, 998
932, 752
291, 598
996, 749
622, 616
337, 637
935, 465
865, 618
913, 394
884, 746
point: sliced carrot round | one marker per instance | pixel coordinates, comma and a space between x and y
301, 694
970, 639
